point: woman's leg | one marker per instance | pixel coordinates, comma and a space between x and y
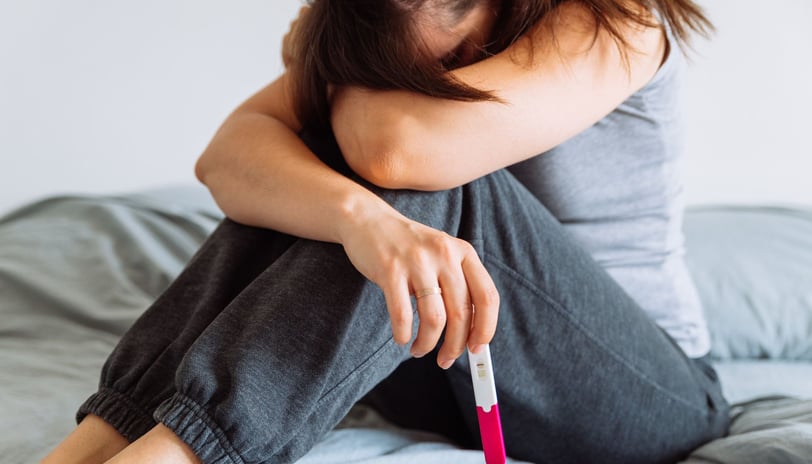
139, 375
145, 360
284, 362
94, 441
582, 374
262, 335
270, 348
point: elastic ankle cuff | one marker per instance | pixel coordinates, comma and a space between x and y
118, 410
192, 424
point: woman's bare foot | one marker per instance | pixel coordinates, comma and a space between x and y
92, 441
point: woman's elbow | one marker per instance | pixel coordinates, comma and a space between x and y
385, 154
200, 170
398, 171
372, 155
211, 176
380, 168
208, 164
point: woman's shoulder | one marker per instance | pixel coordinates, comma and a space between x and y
659, 96
671, 66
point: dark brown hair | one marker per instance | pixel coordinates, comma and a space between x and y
375, 44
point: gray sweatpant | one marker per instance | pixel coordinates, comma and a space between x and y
265, 341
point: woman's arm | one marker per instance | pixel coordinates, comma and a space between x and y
551, 92
262, 174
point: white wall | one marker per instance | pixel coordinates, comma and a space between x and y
749, 105
107, 96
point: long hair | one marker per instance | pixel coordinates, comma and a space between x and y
375, 44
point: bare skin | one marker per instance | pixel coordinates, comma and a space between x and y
158, 446
94, 441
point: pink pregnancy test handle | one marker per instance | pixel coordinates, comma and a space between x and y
490, 429
490, 425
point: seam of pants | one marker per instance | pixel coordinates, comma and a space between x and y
389, 343
567, 317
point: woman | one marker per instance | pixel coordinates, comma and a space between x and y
266, 340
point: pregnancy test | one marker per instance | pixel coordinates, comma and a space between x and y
490, 426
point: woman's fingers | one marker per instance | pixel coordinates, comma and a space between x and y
400, 310
452, 289
485, 298
432, 312
464, 302
458, 316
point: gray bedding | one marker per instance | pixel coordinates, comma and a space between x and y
76, 271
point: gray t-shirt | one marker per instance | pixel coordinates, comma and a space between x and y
616, 188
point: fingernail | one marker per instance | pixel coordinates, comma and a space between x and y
416, 354
477, 349
446, 364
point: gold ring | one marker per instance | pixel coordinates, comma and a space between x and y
428, 291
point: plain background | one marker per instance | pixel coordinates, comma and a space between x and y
110, 96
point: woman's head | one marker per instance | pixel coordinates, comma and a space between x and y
385, 44
454, 32
411, 44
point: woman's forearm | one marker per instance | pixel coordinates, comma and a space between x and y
261, 174
400, 139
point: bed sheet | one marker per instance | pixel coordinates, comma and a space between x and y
76, 271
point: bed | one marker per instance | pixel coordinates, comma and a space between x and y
75, 271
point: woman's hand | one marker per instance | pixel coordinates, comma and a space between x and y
404, 258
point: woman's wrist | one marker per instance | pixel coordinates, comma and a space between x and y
357, 211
